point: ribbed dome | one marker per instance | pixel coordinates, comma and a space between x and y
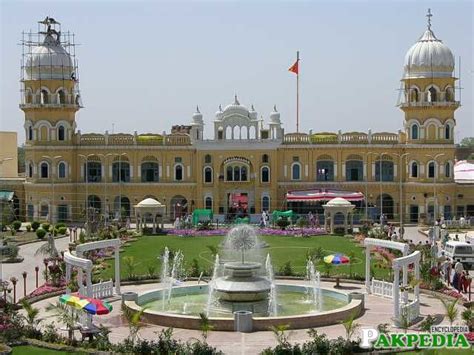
49, 61
197, 116
429, 57
275, 115
236, 108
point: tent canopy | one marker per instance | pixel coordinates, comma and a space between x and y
277, 214
464, 172
316, 195
202, 215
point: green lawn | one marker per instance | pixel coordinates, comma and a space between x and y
33, 350
146, 251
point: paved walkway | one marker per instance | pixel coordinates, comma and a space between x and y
379, 310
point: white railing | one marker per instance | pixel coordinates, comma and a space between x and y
381, 288
410, 310
458, 223
103, 289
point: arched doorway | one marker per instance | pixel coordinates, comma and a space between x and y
178, 207
94, 202
387, 205
121, 207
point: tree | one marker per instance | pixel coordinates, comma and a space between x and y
65, 315
31, 316
451, 310
350, 326
205, 326
467, 142
134, 320
49, 248
280, 333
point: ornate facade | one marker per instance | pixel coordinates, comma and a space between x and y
247, 163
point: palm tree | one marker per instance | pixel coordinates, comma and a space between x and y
468, 317
65, 315
134, 320
31, 314
280, 333
450, 309
350, 326
205, 326
48, 248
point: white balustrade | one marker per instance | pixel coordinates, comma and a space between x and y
103, 289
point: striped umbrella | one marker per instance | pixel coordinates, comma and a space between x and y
73, 301
336, 259
96, 306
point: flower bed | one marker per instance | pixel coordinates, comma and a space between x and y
260, 231
45, 289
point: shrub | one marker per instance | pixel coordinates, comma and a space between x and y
46, 226
35, 225
62, 230
427, 323
286, 269
10, 251
194, 269
28, 227
40, 233
283, 222
59, 225
16, 225
302, 222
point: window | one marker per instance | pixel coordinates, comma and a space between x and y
44, 211
243, 173
208, 203
325, 170
295, 159
265, 174
30, 133
93, 171
178, 160
44, 170
61, 97
447, 170
265, 158
265, 203
414, 169
61, 170
236, 173
61, 133
432, 94
447, 132
449, 94
208, 174
354, 170
62, 213
121, 171
44, 97
387, 170
30, 212
94, 201
150, 172
414, 131
30, 170
178, 172
414, 95
207, 159
229, 172
431, 170
295, 171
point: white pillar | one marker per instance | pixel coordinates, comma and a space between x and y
332, 223
345, 222
405, 282
417, 277
396, 293
367, 269
89, 283
68, 278
154, 224
117, 269
80, 280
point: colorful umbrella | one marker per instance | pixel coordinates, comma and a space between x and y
73, 301
336, 259
96, 306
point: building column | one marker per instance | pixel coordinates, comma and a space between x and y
117, 269
367, 269
396, 293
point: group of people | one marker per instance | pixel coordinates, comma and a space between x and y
184, 221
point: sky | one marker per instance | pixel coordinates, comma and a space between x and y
144, 66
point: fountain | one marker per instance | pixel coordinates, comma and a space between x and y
242, 280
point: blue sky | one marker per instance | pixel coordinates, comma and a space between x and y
146, 65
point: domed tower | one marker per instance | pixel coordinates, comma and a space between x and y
50, 92
429, 83
197, 126
276, 131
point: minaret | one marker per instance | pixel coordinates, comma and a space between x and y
428, 81
197, 126
49, 80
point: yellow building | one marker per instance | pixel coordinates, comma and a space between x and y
249, 165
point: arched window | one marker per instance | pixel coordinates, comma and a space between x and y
208, 159
30, 133
432, 95
447, 131
93, 201
414, 131
265, 158
236, 173
44, 97
296, 171
387, 170
178, 172
208, 203
414, 170
265, 174
44, 170
150, 172
93, 171
325, 170
30, 170
414, 95
61, 97
243, 173
449, 94
28, 96
61, 170
121, 171
431, 169
447, 169
229, 173
354, 170
61, 133
208, 174
265, 203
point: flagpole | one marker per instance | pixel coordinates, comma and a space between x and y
298, 93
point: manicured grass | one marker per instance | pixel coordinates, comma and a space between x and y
33, 350
147, 249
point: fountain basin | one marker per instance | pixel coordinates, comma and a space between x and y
191, 298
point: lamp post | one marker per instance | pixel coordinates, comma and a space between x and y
52, 220
436, 170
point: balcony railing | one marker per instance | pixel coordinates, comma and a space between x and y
344, 138
431, 104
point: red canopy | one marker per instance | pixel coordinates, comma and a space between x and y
323, 195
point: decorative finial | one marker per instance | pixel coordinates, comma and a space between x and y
236, 101
252, 108
197, 109
220, 107
429, 15
275, 108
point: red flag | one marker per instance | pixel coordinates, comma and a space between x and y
294, 68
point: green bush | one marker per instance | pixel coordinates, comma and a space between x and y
28, 227
62, 230
16, 225
40, 233
302, 222
286, 269
35, 225
10, 251
283, 222
46, 226
59, 225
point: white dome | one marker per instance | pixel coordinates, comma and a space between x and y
219, 113
236, 108
429, 57
197, 116
149, 202
338, 201
49, 61
252, 113
275, 115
